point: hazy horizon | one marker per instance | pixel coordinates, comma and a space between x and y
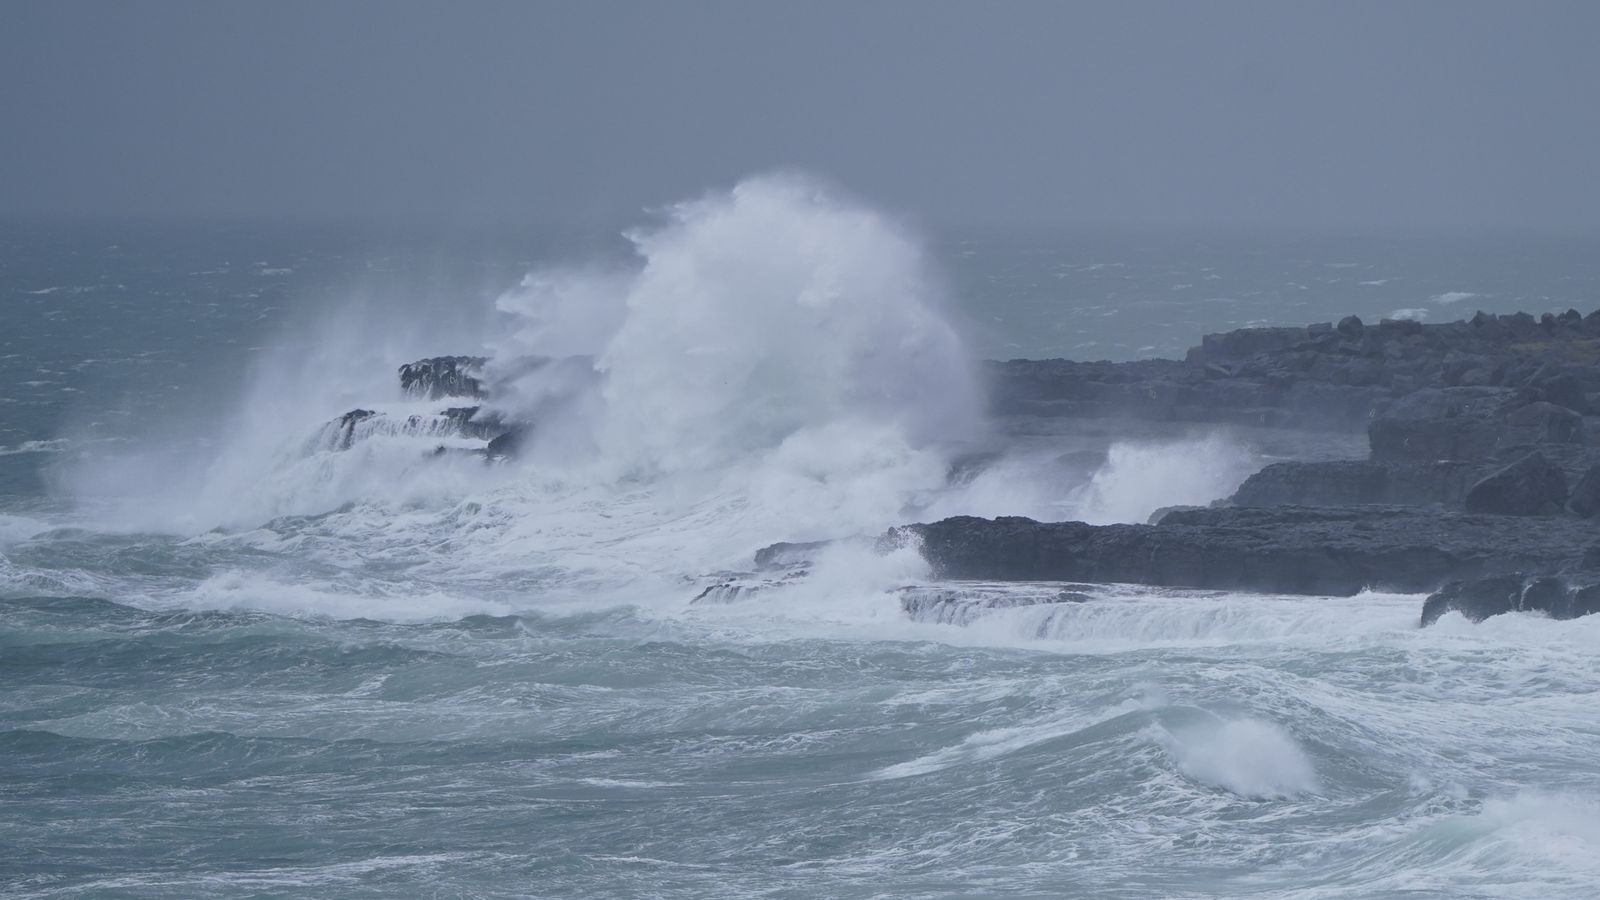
1234, 116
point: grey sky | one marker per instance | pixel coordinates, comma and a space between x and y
1337, 115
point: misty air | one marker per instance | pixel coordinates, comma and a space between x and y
845, 450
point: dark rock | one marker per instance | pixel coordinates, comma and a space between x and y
786, 554
1245, 342
1460, 423
1557, 596
1338, 483
1585, 497
1283, 550
468, 422
345, 427
1546, 423
1563, 388
1322, 376
1357, 482
1400, 326
1156, 517
1477, 599
1530, 486
734, 587
443, 376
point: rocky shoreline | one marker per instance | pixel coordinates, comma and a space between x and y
1480, 484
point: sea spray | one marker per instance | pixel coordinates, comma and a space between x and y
773, 363
1140, 477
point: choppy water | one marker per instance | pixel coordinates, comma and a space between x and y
234, 664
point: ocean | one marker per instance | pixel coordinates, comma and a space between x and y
237, 661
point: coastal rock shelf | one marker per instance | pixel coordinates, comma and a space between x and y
1483, 470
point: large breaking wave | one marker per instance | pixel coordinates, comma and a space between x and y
773, 362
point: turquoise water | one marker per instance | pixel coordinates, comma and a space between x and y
230, 666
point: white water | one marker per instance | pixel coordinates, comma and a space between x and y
772, 364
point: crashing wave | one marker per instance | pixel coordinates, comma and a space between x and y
963, 604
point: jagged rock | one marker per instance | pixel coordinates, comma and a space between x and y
785, 554
1585, 497
1156, 517
1477, 599
1321, 376
443, 376
1554, 384
1282, 550
1357, 482
1530, 486
1245, 342
342, 433
1543, 422
1557, 596
1460, 423
733, 587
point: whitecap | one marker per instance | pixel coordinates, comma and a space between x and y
1252, 758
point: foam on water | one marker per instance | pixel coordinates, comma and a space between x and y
492, 673
772, 365
1139, 478
1252, 758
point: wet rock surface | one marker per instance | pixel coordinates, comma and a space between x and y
1320, 375
443, 376
1557, 596
1299, 550
1475, 430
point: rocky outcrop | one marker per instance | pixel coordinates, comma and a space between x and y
1557, 596
1336, 551
1531, 486
1174, 391
1479, 565
1358, 483
452, 422
341, 432
1321, 376
1585, 497
443, 376
1475, 430
1489, 417
1455, 423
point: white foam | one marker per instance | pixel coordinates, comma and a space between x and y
773, 365
1139, 478
1449, 297
54, 446
1415, 314
1116, 618
1252, 758
14, 529
240, 590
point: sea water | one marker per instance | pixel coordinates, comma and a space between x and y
235, 662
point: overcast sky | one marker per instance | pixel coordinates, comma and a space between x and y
1313, 115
